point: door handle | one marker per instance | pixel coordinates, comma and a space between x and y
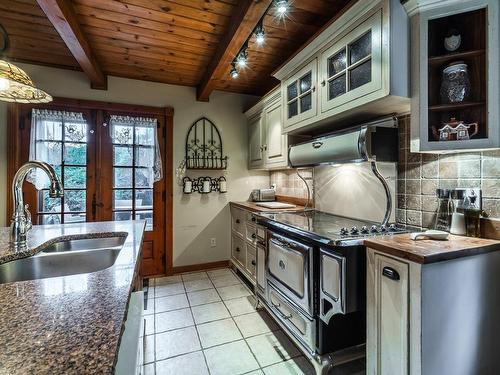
317, 144
391, 273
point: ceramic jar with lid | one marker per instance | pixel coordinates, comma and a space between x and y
455, 84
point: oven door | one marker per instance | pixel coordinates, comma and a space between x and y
332, 285
289, 269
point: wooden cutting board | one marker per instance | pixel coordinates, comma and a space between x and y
275, 205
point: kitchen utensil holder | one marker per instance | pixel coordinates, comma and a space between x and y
200, 185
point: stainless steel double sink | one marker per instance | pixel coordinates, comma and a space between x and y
65, 257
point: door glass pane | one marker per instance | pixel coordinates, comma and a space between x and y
75, 153
122, 215
122, 177
292, 109
142, 178
74, 200
144, 199
360, 48
305, 83
145, 215
144, 136
144, 156
47, 204
292, 91
360, 75
336, 87
75, 132
122, 199
122, 155
75, 218
49, 219
305, 103
337, 63
122, 134
75, 177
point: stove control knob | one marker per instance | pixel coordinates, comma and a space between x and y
354, 230
364, 229
374, 229
383, 228
392, 227
344, 231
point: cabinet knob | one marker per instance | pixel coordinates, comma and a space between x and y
313, 89
391, 273
323, 83
237, 249
254, 235
254, 219
237, 221
253, 262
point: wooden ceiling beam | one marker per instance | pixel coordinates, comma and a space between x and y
243, 21
62, 16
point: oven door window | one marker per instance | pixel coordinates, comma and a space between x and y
287, 266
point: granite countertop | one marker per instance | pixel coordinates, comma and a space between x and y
69, 324
431, 251
251, 206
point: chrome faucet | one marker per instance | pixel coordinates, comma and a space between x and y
21, 218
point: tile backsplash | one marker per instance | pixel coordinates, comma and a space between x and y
419, 175
289, 184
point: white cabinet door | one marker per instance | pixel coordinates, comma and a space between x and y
352, 67
255, 143
275, 145
388, 316
299, 95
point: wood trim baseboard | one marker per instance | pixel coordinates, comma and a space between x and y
201, 267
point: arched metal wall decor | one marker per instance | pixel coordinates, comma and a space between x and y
204, 146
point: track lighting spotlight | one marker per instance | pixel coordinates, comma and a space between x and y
234, 72
259, 33
281, 7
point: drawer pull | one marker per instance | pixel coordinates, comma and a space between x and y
253, 263
237, 221
282, 264
254, 219
237, 249
254, 236
283, 316
391, 273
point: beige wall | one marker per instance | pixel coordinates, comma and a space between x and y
196, 218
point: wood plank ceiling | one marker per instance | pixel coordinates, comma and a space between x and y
169, 41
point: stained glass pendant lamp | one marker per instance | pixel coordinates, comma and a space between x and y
15, 85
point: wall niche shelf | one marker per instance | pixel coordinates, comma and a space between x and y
455, 102
204, 147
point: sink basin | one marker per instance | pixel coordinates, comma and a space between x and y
64, 258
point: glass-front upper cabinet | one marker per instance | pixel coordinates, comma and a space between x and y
352, 67
299, 96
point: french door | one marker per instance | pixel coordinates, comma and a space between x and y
104, 168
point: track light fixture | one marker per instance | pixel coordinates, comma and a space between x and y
281, 7
241, 58
234, 72
259, 33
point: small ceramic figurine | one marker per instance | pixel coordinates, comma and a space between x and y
452, 40
455, 84
456, 130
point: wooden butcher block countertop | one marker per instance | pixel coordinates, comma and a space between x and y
430, 251
251, 206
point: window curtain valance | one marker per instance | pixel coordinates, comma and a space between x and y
142, 134
48, 128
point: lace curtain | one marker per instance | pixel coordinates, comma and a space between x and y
46, 139
139, 132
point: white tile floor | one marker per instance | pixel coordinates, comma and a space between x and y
204, 323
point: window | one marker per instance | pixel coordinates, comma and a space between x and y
299, 95
135, 167
60, 138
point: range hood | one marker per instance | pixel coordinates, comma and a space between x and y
371, 141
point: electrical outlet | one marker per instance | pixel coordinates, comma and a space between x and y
213, 242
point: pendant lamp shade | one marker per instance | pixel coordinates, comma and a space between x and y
17, 86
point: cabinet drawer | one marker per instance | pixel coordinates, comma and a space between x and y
251, 264
300, 325
238, 250
238, 221
251, 233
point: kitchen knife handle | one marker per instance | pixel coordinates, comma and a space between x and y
391, 273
